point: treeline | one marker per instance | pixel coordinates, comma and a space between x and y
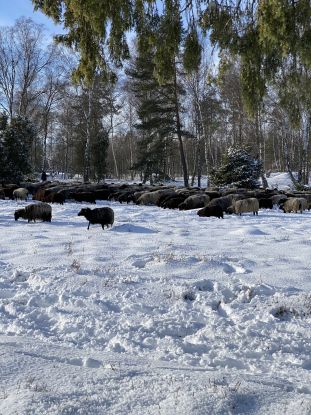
132, 123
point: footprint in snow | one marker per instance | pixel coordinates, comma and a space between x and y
20, 276
139, 263
92, 363
230, 269
129, 228
205, 285
7, 293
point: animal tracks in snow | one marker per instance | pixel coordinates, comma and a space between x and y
88, 362
171, 259
127, 227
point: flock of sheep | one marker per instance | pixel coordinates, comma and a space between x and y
210, 202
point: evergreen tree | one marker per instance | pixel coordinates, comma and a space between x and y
239, 169
263, 33
16, 139
99, 154
155, 111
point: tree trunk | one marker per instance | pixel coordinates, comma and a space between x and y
112, 146
195, 164
289, 170
87, 149
179, 132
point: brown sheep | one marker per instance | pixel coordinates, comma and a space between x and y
41, 211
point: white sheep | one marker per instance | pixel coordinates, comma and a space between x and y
250, 204
20, 193
294, 204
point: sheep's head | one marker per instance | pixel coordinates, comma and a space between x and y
230, 210
84, 211
201, 212
18, 213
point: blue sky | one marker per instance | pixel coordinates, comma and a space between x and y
10, 10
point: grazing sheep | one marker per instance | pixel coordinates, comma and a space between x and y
84, 197
166, 196
225, 201
230, 210
40, 211
209, 211
194, 202
278, 199
9, 189
152, 198
306, 196
137, 195
127, 196
20, 193
294, 204
246, 205
55, 198
213, 194
265, 203
103, 216
102, 194
172, 202
183, 190
39, 195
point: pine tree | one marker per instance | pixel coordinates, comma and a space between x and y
239, 169
99, 154
155, 111
16, 139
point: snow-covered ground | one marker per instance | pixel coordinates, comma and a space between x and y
164, 313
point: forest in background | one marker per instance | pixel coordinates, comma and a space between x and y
130, 123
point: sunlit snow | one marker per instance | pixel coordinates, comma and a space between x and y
164, 313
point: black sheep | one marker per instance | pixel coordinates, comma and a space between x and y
173, 202
84, 197
55, 198
103, 216
209, 211
265, 203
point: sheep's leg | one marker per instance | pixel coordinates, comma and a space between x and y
88, 226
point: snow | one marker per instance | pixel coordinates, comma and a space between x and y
164, 313
281, 181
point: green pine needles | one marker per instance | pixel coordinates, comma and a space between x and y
238, 169
16, 138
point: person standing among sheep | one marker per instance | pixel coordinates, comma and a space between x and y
43, 176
